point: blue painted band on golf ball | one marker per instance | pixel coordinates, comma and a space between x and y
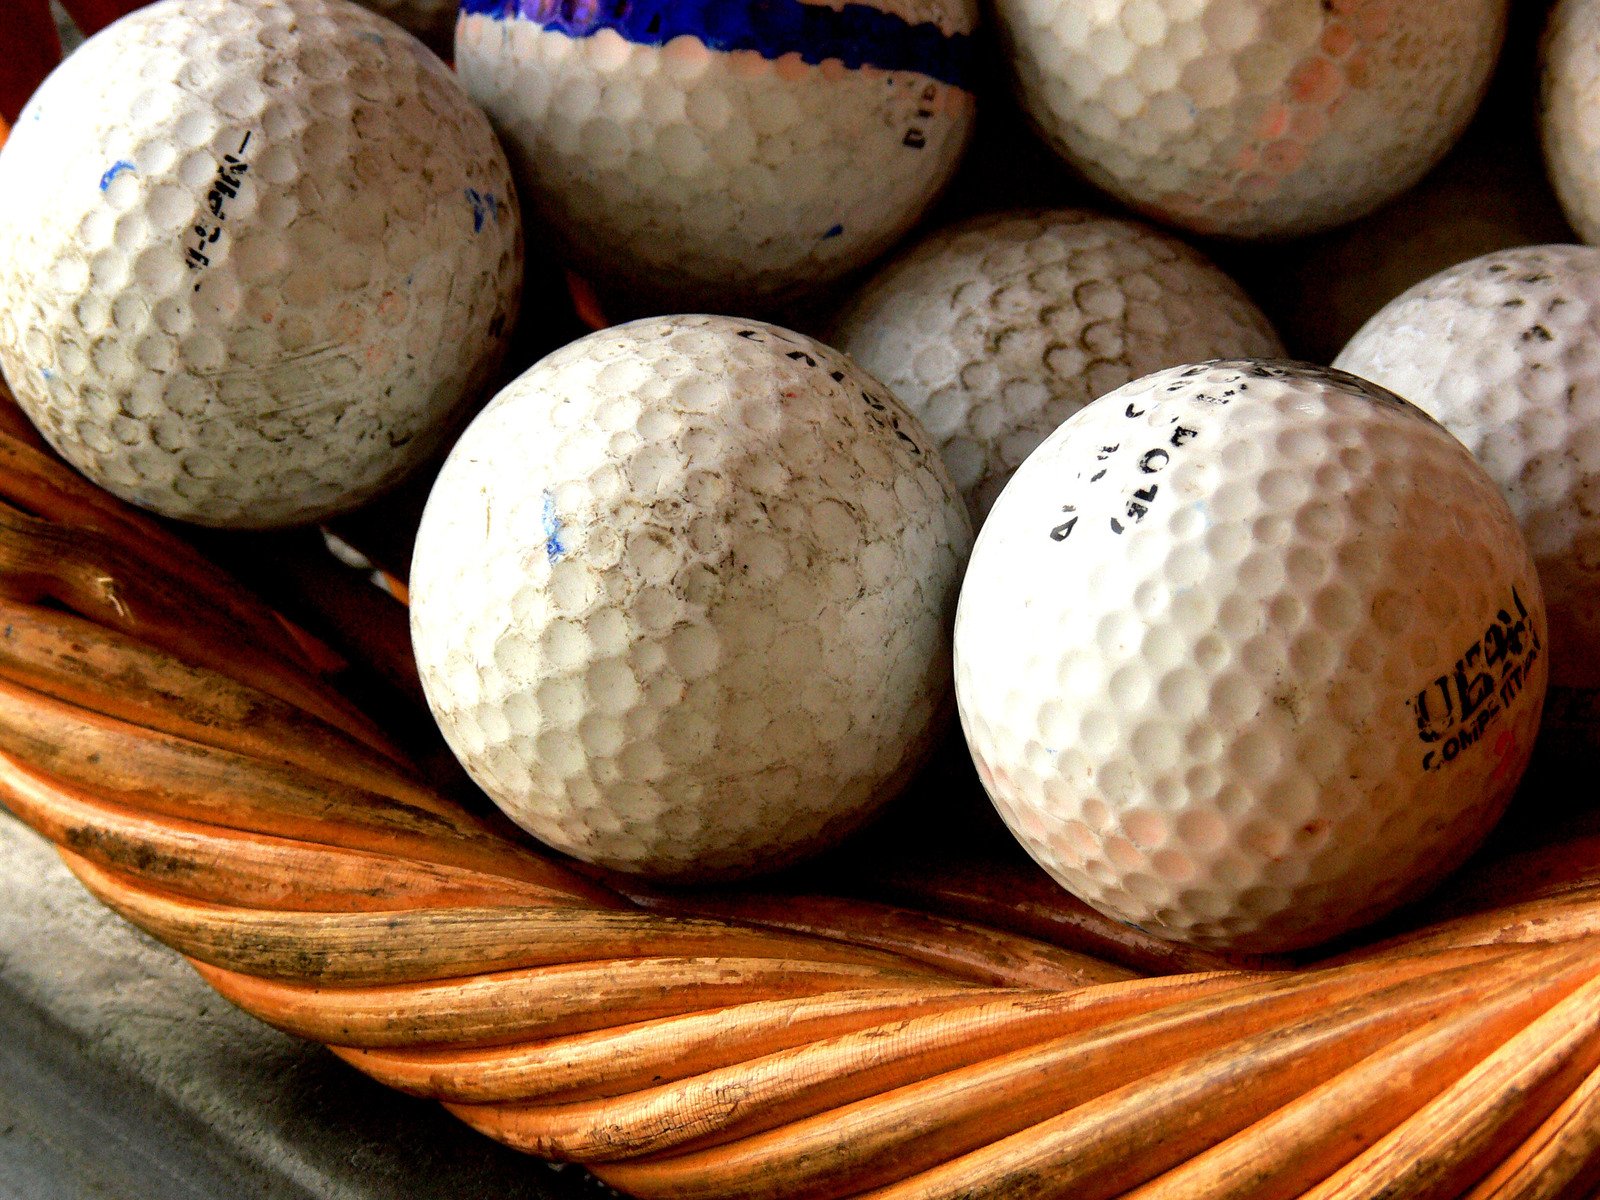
858, 35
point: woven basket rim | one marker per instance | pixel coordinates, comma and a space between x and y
971, 1033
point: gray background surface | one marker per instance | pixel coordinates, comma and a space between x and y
123, 1075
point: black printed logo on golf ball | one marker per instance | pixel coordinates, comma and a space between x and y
1456, 710
1135, 505
225, 186
916, 136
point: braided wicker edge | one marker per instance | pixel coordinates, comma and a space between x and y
175, 740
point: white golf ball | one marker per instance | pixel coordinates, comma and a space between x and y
681, 597
697, 154
1253, 118
253, 257
1249, 653
1570, 112
1504, 351
996, 330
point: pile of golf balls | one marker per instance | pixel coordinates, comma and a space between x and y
1505, 351
681, 597
1253, 118
695, 154
1249, 653
996, 330
255, 258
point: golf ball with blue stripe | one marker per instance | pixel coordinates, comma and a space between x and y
723, 154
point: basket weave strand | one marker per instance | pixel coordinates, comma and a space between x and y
982, 1036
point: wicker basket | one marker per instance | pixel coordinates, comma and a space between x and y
987, 1037
967, 1030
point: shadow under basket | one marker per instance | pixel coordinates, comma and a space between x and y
982, 1036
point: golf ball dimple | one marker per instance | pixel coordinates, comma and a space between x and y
1504, 351
1250, 653
681, 597
996, 330
711, 155
256, 258
1252, 118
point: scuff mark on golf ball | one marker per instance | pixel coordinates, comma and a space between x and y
484, 205
116, 168
553, 546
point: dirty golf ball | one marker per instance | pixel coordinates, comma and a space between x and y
1253, 118
996, 330
255, 258
681, 597
1249, 653
1504, 351
701, 155
1570, 112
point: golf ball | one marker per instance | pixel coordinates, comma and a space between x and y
1570, 112
698, 154
681, 597
253, 258
1252, 118
1504, 351
995, 331
1248, 653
